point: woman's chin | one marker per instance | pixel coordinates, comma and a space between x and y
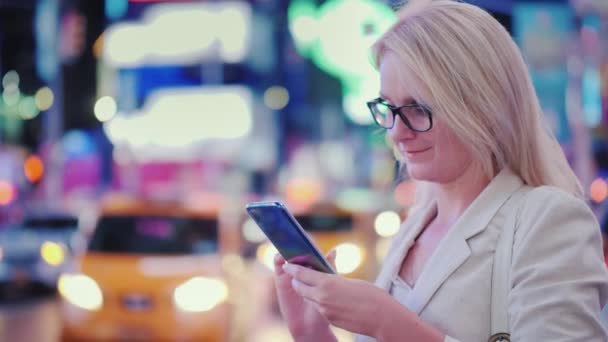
420, 172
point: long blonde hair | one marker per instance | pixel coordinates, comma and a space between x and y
477, 83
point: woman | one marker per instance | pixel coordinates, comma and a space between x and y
460, 110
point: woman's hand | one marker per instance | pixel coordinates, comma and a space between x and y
350, 304
354, 305
305, 323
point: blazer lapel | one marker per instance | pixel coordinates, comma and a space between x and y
402, 243
453, 250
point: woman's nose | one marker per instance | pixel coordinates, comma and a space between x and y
400, 130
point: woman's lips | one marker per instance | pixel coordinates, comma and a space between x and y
412, 153
417, 151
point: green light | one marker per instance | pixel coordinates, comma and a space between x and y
27, 108
347, 29
338, 37
303, 25
11, 78
11, 95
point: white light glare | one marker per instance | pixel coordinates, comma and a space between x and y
81, 291
387, 223
252, 232
105, 108
181, 34
200, 294
193, 114
348, 257
305, 29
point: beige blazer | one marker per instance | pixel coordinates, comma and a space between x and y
559, 282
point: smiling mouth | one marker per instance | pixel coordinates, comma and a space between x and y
417, 151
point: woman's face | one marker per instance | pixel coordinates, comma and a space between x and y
436, 155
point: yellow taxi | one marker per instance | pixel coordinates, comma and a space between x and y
150, 272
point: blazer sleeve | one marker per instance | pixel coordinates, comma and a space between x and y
559, 282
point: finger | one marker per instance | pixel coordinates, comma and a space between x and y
304, 274
306, 291
316, 305
279, 261
331, 258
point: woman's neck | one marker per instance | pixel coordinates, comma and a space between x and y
453, 198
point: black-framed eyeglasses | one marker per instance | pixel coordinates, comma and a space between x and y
414, 115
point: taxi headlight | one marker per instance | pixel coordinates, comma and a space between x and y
200, 294
348, 257
52, 253
81, 291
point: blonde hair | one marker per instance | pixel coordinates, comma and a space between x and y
477, 82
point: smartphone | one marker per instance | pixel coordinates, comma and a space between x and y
286, 234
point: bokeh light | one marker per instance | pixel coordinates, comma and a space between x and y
276, 97
303, 191
7, 192
77, 143
348, 257
599, 190
11, 95
11, 78
252, 232
105, 108
387, 223
44, 98
28, 108
304, 28
303, 24
52, 253
188, 295
265, 254
33, 168
80, 290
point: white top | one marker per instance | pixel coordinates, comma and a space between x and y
559, 281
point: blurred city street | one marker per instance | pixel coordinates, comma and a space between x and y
134, 133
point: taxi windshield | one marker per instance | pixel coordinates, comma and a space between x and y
155, 235
51, 223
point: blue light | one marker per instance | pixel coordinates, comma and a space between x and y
116, 9
46, 26
592, 97
77, 144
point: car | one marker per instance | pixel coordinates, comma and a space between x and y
37, 250
151, 271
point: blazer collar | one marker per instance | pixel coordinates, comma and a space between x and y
402, 242
453, 250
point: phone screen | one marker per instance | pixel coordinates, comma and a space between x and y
287, 235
